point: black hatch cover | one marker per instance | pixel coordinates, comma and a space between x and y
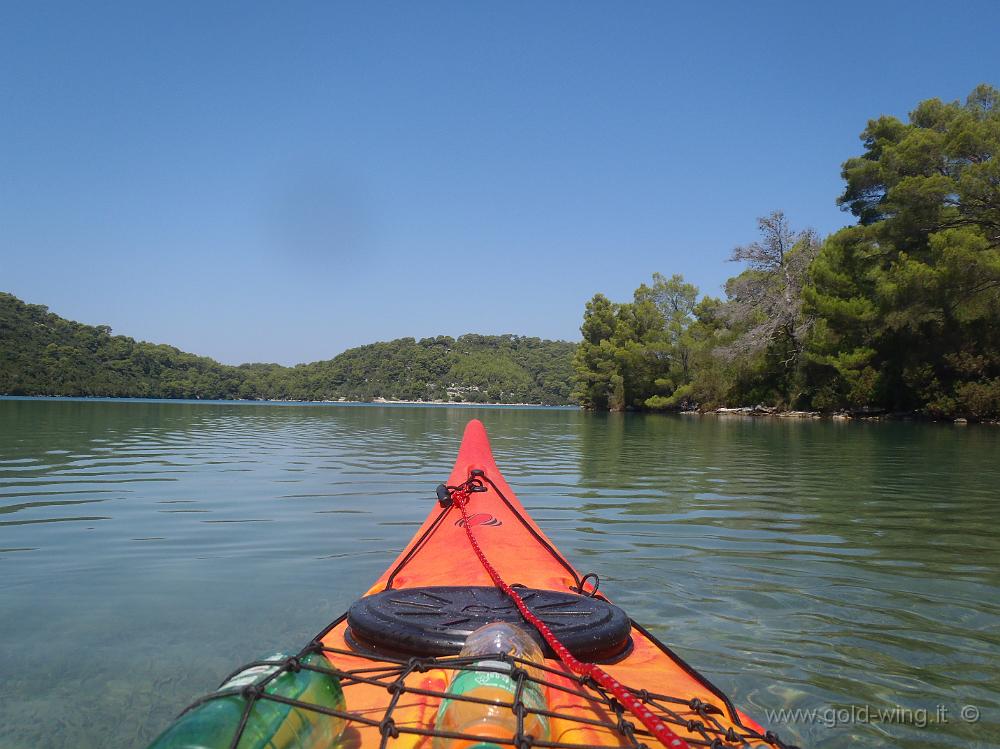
435, 621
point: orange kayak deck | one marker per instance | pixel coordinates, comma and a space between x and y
394, 702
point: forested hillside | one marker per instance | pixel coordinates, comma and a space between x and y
899, 312
44, 354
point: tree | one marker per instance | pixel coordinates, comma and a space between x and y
593, 362
765, 301
939, 171
910, 298
764, 314
675, 301
636, 355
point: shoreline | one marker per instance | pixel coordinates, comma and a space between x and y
775, 413
339, 401
390, 401
723, 411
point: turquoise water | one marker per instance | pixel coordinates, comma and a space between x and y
147, 548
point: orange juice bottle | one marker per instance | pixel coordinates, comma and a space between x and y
496, 720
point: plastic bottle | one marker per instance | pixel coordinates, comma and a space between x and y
497, 720
271, 724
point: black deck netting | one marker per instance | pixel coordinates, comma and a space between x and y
700, 723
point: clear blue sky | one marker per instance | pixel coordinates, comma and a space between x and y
282, 181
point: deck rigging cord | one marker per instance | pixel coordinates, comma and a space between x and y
460, 498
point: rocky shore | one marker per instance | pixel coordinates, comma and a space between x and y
861, 414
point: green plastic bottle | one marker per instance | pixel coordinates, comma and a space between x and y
271, 724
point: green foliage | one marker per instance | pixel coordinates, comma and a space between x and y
910, 298
44, 354
898, 313
638, 354
667, 350
713, 376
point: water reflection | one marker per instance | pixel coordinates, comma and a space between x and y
856, 561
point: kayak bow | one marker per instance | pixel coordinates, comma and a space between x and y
439, 565
479, 558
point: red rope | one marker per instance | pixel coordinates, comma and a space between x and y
635, 706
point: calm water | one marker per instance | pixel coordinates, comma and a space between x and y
147, 548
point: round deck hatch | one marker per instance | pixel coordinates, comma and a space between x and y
435, 621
